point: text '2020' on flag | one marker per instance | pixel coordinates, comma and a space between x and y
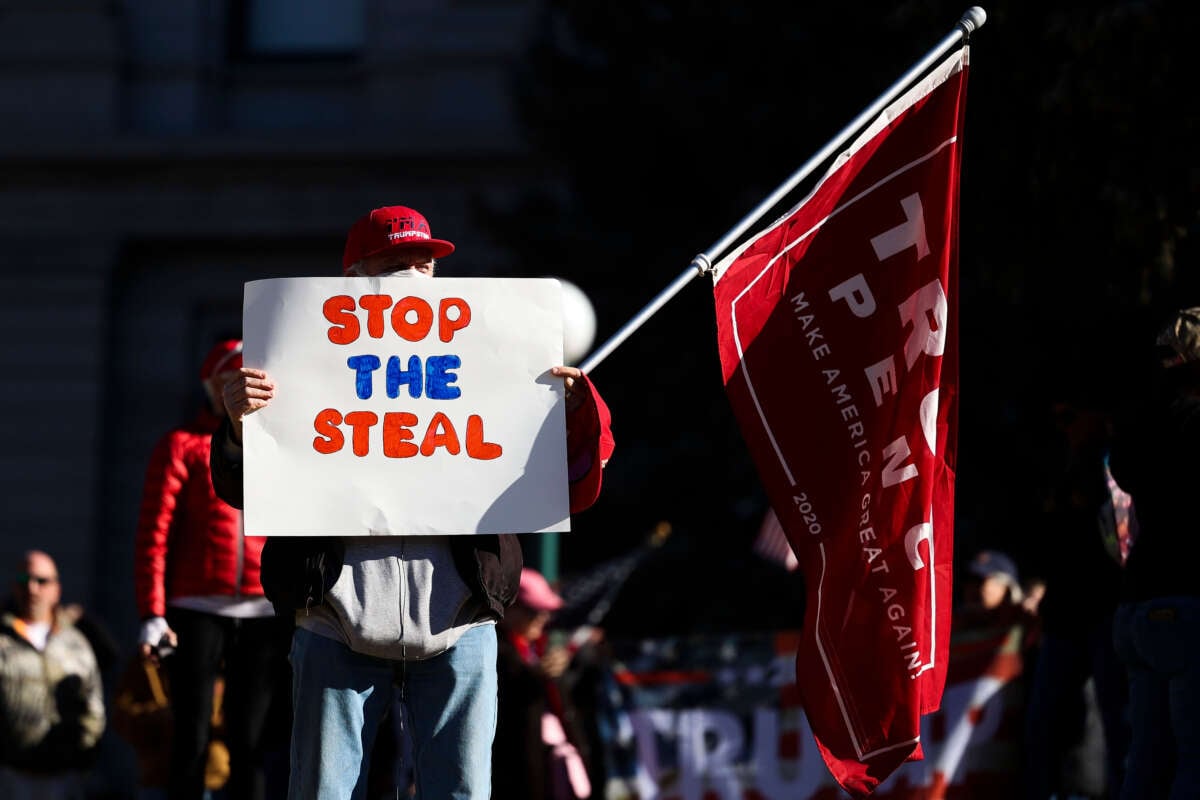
837, 327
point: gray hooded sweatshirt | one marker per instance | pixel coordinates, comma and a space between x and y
397, 597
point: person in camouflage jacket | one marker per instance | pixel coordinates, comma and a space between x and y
51, 693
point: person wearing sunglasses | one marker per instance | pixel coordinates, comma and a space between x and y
51, 692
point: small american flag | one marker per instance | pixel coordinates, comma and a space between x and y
772, 544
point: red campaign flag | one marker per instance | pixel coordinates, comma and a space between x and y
838, 335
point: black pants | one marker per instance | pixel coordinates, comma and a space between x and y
252, 655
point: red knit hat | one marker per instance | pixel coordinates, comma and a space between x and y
224, 356
390, 228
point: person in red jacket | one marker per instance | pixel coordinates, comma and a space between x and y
196, 578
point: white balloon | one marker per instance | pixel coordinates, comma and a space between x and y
579, 322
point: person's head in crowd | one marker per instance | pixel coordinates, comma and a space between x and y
536, 602
394, 241
992, 581
219, 366
36, 591
1178, 349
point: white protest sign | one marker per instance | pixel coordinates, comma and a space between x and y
405, 406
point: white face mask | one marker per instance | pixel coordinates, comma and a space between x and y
409, 272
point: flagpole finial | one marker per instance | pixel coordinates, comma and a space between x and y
972, 20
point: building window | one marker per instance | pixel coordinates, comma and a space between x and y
301, 28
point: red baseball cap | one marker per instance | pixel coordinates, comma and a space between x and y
590, 439
390, 227
225, 355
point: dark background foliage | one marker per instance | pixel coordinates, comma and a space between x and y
675, 119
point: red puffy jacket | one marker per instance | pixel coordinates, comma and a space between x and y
189, 542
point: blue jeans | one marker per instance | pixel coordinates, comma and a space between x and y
341, 696
1159, 641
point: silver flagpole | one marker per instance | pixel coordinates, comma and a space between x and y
972, 19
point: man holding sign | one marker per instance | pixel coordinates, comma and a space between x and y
409, 614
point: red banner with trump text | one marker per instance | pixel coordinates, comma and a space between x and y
837, 327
